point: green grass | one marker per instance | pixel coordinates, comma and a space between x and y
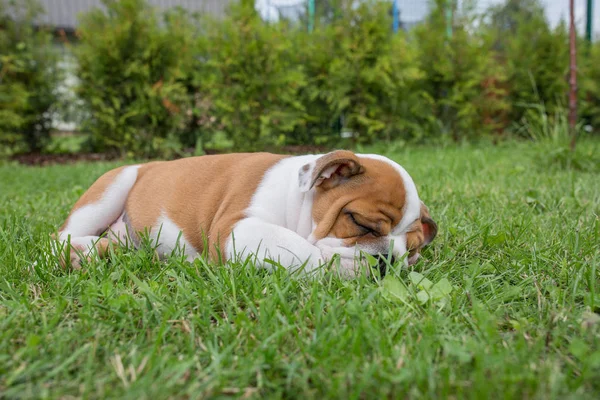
519, 243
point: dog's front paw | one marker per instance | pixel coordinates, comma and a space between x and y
344, 260
74, 258
73, 254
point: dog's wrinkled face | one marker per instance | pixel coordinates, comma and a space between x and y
368, 203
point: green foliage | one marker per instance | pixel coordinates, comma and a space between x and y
131, 65
328, 12
152, 84
463, 77
28, 77
246, 80
359, 70
534, 56
360, 74
316, 52
589, 89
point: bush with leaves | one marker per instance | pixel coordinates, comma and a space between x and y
463, 77
271, 84
131, 67
151, 86
534, 56
358, 69
28, 77
316, 52
247, 81
589, 89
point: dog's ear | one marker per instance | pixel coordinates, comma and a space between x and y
429, 226
329, 170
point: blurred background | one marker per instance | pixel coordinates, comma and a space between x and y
166, 78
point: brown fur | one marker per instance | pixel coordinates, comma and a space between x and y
203, 204
204, 196
368, 192
421, 233
372, 191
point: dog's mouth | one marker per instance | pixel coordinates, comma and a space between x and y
384, 260
382, 264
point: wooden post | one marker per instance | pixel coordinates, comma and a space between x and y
572, 76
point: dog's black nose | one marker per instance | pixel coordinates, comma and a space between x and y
384, 260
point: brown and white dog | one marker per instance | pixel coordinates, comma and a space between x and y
296, 211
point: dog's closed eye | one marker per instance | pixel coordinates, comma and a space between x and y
363, 225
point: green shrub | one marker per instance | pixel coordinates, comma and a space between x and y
589, 85
534, 56
358, 69
131, 65
262, 84
28, 77
316, 52
247, 81
152, 85
462, 75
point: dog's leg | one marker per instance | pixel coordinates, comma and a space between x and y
269, 242
99, 207
71, 251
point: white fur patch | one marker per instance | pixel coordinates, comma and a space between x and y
168, 237
279, 219
94, 218
87, 242
279, 199
305, 174
399, 248
269, 242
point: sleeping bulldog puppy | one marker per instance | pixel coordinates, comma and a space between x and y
298, 211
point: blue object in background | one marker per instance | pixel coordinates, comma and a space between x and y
396, 23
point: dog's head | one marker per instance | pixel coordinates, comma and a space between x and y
367, 202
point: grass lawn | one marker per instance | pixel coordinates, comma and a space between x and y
509, 307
